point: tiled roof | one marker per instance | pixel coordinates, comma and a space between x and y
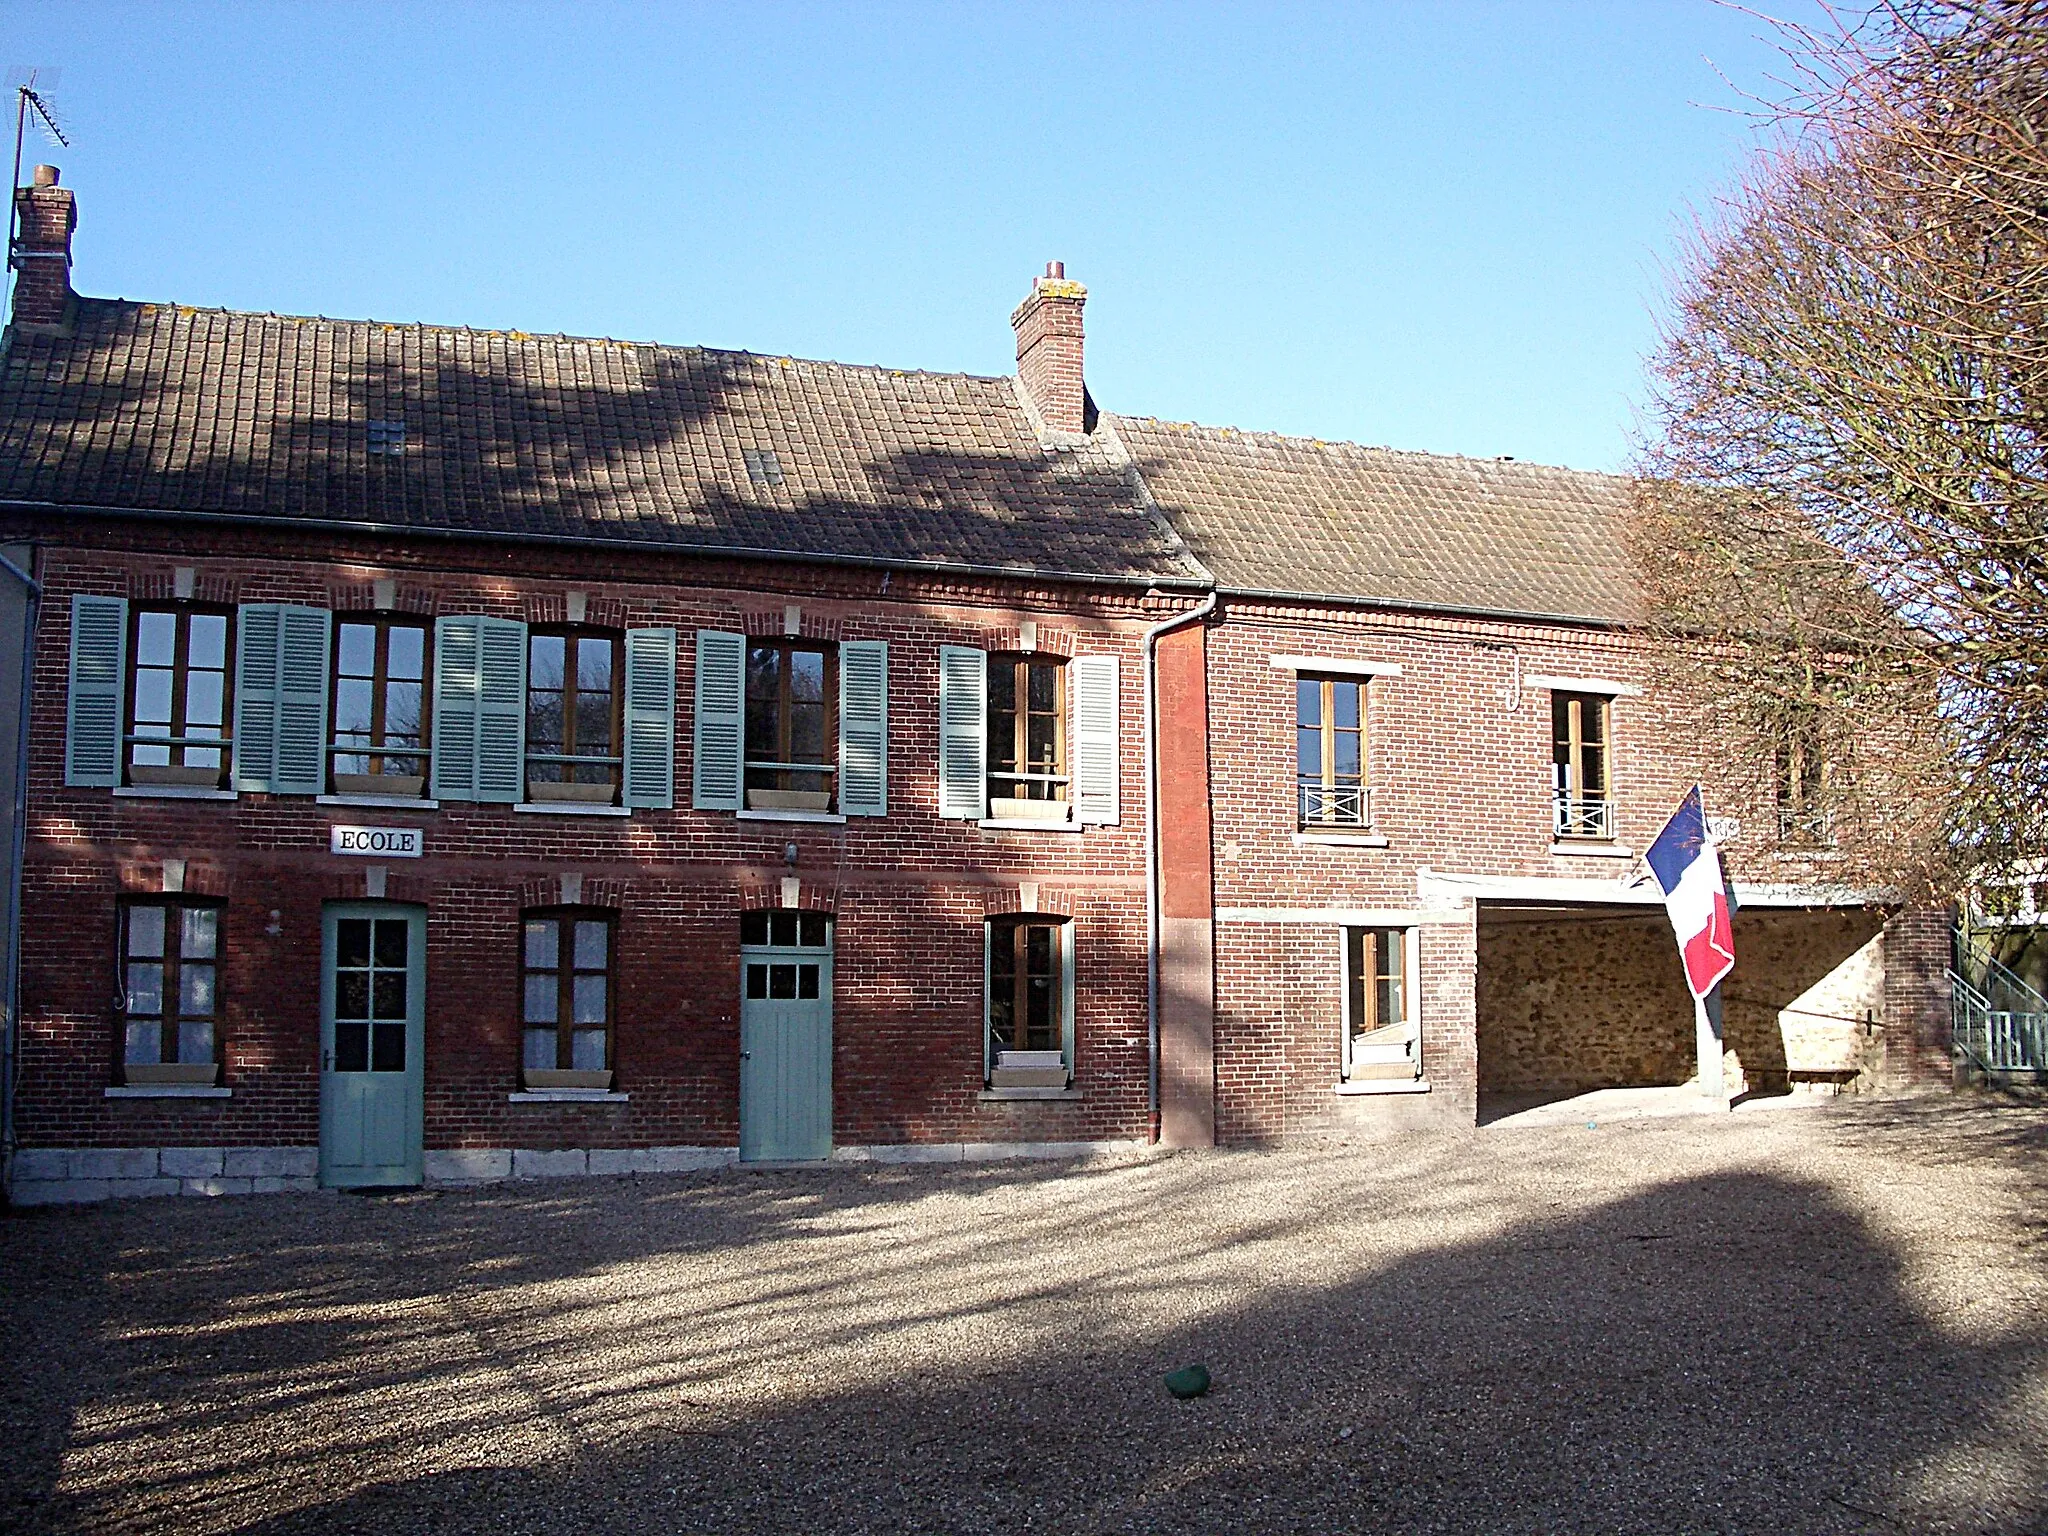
206, 411
1294, 515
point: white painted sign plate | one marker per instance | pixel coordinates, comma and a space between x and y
377, 842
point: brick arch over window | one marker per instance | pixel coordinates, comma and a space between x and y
573, 890
1004, 901
1046, 642
769, 624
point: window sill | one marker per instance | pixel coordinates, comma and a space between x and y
1024, 1095
1358, 839
171, 792
828, 818
1369, 1087
380, 802
170, 1091
1590, 850
1807, 855
569, 808
567, 1096
1021, 824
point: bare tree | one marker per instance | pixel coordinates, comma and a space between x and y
1844, 510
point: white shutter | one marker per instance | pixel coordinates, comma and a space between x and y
1096, 739
650, 747
963, 733
255, 747
92, 710
717, 768
864, 728
455, 706
1066, 953
305, 637
501, 711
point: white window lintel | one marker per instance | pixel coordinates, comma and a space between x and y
1606, 685
1336, 664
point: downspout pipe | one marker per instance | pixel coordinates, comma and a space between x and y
1153, 922
10, 1025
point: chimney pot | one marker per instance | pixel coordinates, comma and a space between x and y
46, 175
1049, 348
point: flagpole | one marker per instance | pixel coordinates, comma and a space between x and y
1706, 1017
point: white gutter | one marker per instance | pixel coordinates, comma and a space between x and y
1152, 918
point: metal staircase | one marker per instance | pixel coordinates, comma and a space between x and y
2001, 1023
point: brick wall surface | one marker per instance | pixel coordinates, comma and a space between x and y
1458, 762
910, 891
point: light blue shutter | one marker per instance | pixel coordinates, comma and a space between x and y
304, 638
988, 988
255, 746
717, 770
963, 733
501, 711
456, 685
1066, 951
864, 728
92, 709
650, 776
1098, 777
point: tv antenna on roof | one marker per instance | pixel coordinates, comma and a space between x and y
31, 100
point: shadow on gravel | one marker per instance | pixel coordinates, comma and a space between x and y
1735, 1352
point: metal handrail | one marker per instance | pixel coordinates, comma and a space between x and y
792, 767
1575, 817
1805, 824
336, 749
176, 741
1332, 805
1032, 778
560, 757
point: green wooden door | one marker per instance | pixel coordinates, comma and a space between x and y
373, 995
786, 1038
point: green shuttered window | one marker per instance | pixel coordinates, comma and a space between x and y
479, 749
1098, 780
281, 682
864, 728
650, 718
963, 732
717, 767
92, 716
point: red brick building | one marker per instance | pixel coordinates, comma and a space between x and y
458, 755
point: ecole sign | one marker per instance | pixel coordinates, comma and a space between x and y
380, 842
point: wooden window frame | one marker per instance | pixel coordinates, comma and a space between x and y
574, 636
1569, 746
1019, 783
565, 972
1803, 774
1011, 933
173, 963
380, 680
1365, 969
1326, 780
782, 769
181, 668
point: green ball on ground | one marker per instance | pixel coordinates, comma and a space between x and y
1189, 1381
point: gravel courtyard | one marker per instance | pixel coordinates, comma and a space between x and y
1825, 1320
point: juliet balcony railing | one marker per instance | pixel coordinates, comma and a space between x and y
1571, 816
1334, 805
1805, 826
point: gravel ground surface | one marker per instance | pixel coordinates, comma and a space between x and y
1825, 1321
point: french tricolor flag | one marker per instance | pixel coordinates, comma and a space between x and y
1687, 867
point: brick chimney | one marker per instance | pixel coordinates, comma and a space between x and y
1048, 327
45, 216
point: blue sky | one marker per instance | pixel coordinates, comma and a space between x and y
1436, 226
